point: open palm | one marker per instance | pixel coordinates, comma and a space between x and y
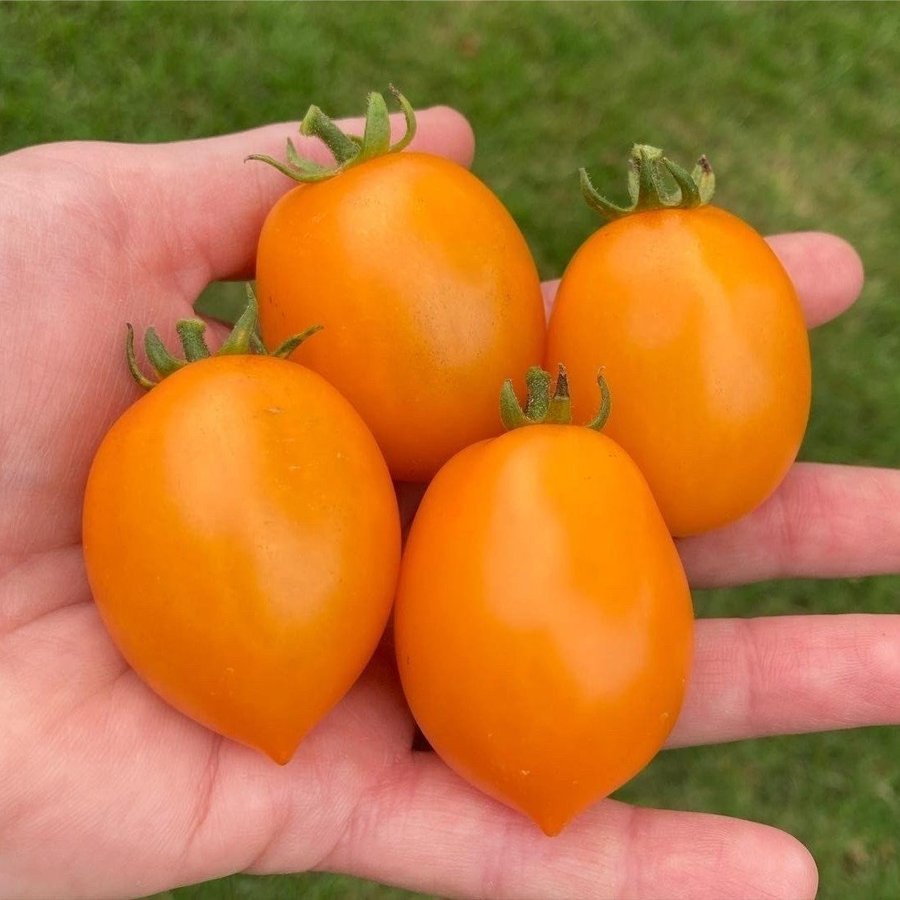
106, 791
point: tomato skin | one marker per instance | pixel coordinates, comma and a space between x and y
241, 537
543, 623
705, 350
428, 293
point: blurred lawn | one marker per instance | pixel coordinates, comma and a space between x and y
797, 106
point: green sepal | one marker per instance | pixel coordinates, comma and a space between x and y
376, 140
160, 358
311, 171
409, 116
136, 373
602, 416
347, 149
286, 348
243, 340
705, 179
239, 340
511, 413
690, 190
649, 172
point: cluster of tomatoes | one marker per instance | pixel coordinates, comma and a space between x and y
542, 619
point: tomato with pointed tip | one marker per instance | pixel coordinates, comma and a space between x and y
704, 345
543, 622
426, 288
241, 538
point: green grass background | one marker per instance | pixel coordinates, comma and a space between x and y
797, 106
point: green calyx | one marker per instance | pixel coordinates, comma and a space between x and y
543, 409
654, 182
348, 149
243, 340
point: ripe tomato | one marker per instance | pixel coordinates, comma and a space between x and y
427, 290
705, 348
543, 622
241, 537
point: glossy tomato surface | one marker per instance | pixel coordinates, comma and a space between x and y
543, 622
241, 537
428, 293
705, 350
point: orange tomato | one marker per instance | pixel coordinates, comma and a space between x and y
705, 349
428, 293
241, 537
543, 622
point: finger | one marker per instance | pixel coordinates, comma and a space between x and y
824, 521
429, 831
826, 271
549, 289
198, 206
790, 675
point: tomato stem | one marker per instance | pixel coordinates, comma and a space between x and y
191, 333
244, 339
347, 149
654, 182
316, 124
537, 384
541, 408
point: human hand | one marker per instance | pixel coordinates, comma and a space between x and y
107, 792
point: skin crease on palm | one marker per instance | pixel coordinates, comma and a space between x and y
107, 792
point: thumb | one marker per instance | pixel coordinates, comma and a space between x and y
207, 204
